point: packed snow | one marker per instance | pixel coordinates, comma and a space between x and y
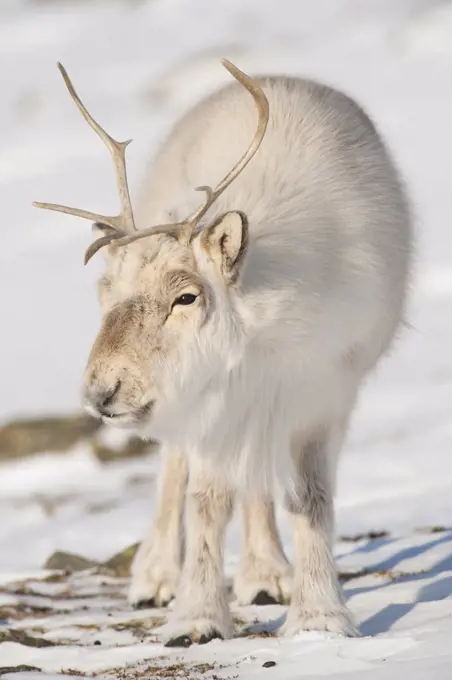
138, 65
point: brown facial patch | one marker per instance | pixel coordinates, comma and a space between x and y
135, 342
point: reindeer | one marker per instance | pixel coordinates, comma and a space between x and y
240, 336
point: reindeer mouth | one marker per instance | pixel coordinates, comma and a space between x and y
131, 417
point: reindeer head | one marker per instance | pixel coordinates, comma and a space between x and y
167, 299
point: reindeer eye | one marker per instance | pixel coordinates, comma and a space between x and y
185, 299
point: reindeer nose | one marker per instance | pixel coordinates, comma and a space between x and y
100, 398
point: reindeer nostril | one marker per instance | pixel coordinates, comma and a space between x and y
106, 398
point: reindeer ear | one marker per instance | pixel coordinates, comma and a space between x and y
226, 243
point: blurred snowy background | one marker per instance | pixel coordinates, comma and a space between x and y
138, 65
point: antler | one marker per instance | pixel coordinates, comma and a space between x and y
122, 224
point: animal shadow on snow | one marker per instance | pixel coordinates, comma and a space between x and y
383, 620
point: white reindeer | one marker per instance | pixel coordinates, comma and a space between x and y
240, 336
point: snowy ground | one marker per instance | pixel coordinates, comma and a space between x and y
138, 65
399, 591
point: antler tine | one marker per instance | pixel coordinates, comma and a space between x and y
110, 221
98, 244
120, 223
262, 105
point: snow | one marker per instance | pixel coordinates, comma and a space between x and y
138, 66
402, 605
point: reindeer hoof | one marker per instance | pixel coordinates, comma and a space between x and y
151, 604
186, 640
214, 635
181, 641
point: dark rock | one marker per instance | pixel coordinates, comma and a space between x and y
18, 669
69, 562
23, 638
119, 564
132, 448
368, 536
25, 437
21, 438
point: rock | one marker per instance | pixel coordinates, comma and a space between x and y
133, 448
70, 562
18, 669
21, 438
25, 437
119, 564
23, 638
368, 536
